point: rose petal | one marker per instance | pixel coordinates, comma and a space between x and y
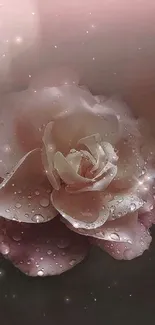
110, 131
67, 172
103, 152
128, 124
119, 230
99, 185
48, 156
147, 218
116, 106
82, 211
148, 150
124, 203
24, 116
25, 193
74, 159
127, 251
74, 128
41, 250
148, 203
130, 163
93, 143
109, 151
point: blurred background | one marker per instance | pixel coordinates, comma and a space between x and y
107, 45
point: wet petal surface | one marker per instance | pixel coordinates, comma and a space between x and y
127, 251
41, 250
82, 211
119, 230
25, 194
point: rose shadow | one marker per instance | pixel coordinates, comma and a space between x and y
99, 290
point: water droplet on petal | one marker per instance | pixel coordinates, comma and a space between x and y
38, 218
15, 218
76, 224
63, 243
18, 205
44, 202
40, 273
128, 254
37, 265
49, 252
37, 193
5, 249
16, 237
115, 236
37, 250
112, 209
133, 207
26, 215
72, 262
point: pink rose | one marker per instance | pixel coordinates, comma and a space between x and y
87, 158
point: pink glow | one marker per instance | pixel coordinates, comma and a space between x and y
109, 45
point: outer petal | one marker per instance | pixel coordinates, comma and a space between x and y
82, 211
24, 116
48, 152
130, 163
41, 250
147, 218
116, 106
128, 123
127, 251
74, 127
25, 193
120, 230
124, 203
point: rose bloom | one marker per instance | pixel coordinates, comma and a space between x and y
76, 170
